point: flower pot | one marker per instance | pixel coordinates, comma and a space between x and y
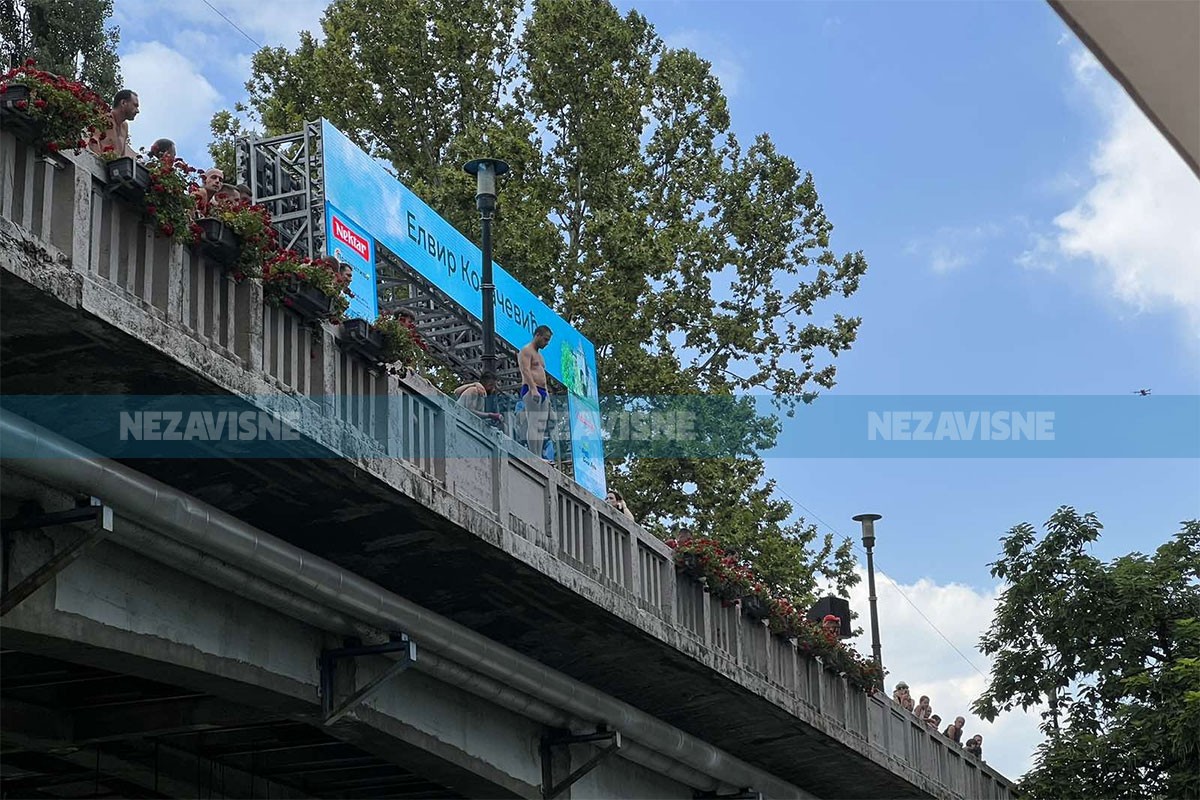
359, 337
219, 242
307, 301
127, 178
689, 563
755, 608
18, 120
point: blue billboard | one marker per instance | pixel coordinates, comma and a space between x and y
366, 197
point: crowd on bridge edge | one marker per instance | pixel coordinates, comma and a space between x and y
924, 712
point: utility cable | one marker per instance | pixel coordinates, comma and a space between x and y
888, 578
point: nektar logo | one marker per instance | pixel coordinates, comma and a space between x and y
357, 243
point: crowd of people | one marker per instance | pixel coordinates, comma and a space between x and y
924, 712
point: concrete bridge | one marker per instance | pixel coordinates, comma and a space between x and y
415, 609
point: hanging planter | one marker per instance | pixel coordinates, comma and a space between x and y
311, 288
689, 564
48, 111
307, 300
360, 338
218, 241
127, 178
10, 97
755, 608
27, 128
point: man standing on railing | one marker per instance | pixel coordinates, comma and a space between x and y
534, 392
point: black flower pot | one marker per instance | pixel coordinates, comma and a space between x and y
219, 242
307, 301
360, 338
13, 94
19, 121
689, 564
755, 608
127, 178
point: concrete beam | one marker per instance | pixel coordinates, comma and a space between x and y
165, 717
171, 770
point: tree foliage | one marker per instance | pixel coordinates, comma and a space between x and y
66, 37
697, 265
1110, 651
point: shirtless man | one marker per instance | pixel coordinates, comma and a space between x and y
124, 109
473, 397
533, 388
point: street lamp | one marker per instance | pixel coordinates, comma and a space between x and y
868, 538
486, 171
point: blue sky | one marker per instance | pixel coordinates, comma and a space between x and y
1028, 233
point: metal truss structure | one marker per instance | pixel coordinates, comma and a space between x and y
287, 175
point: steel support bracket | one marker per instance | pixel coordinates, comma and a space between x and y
741, 794
602, 734
89, 510
331, 712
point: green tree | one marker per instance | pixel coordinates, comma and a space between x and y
1110, 651
66, 37
697, 266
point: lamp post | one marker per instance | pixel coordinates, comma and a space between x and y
868, 538
486, 171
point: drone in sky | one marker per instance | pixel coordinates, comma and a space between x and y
1142, 392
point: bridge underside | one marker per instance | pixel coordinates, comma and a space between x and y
71, 731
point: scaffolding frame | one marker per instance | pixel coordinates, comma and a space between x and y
286, 173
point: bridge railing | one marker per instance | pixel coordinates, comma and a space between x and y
60, 205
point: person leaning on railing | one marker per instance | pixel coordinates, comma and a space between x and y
116, 139
974, 746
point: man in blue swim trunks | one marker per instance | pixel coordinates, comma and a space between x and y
534, 391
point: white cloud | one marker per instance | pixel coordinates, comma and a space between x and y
725, 64
952, 248
913, 652
176, 100
1135, 226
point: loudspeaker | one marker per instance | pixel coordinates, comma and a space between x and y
837, 606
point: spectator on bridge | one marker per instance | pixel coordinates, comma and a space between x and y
902, 697
618, 502
534, 388
474, 397
923, 709
214, 192
954, 730
116, 138
974, 746
934, 721
163, 150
